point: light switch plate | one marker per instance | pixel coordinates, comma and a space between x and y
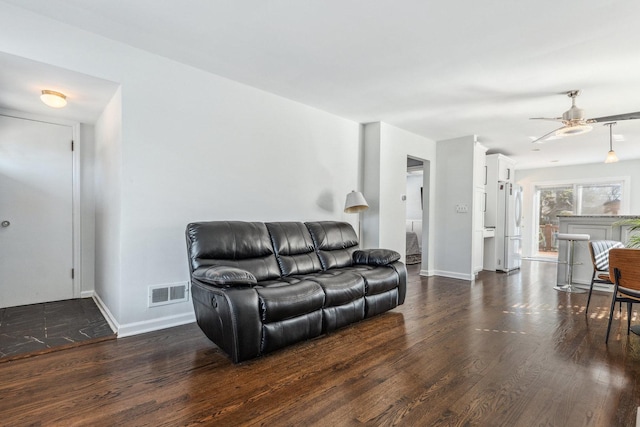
462, 208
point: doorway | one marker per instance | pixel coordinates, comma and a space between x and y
551, 202
36, 211
417, 213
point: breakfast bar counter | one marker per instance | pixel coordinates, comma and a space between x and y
598, 227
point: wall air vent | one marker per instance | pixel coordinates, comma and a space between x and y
172, 293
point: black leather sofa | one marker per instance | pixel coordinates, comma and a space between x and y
257, 287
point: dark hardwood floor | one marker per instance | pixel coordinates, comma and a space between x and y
33, 329
507, 350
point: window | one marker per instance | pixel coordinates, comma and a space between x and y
555, 201
605, 197
598, 199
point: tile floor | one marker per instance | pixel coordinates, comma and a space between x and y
39, 328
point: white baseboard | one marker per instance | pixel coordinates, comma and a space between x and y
596, 287
135, 328
454, 275
87, 294
427, 273
583, 282
105, 312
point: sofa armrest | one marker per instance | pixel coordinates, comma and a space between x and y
375, 256
223, 276
230, 317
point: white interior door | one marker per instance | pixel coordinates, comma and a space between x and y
36, 207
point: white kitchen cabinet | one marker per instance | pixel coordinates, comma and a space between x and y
478, 231
505, 168
499, 168
479, 205
479, 166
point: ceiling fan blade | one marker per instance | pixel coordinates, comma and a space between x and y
546, 135
556, 119
628, 116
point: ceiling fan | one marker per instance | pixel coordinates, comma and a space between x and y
574, 122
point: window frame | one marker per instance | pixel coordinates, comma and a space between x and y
625, 203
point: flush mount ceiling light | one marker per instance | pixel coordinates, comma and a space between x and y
611, 155
53, 99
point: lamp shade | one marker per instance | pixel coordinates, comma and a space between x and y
611, 157
355, 203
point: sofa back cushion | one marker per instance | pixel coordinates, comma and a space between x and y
244, 245
294, 248
335, 243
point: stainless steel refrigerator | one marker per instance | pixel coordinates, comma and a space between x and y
508, 227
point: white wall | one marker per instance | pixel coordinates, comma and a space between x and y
87, 209
372, 185
108, 192
528, 178
227, 152
385, 168
191, 146
455, 186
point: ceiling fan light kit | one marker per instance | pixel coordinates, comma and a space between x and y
574, 122
573, 130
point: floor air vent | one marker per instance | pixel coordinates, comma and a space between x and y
168, 294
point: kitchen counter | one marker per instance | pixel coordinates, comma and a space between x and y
599, 227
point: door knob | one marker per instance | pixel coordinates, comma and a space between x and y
5, 224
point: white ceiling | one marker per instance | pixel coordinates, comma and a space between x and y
438, 68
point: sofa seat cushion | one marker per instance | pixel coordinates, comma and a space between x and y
377, 279
283, 281
340, 286
285, 302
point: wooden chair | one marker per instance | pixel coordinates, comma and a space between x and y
599, 250
624, 272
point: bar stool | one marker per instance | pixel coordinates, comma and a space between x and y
570, 239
